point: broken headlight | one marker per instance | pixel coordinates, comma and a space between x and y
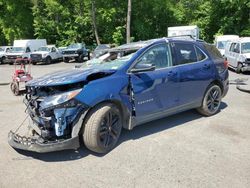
63, 100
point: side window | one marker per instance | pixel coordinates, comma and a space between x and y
159, 55
232, 47
200, 55
27, 49
7, 50
53, 49
213, 51
185, 53
237, 48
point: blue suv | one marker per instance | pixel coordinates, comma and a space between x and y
130, 85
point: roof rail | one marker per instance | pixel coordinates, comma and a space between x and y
182, 36
185, 36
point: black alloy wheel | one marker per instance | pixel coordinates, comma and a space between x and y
109, 129
211, 101
102, 128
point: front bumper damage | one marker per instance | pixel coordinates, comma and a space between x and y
53, 127
33, 144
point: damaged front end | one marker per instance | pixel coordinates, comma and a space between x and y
55, 115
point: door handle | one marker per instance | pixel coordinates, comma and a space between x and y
172, 73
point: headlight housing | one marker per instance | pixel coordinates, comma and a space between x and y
62, 100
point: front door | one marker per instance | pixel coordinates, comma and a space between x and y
158, 90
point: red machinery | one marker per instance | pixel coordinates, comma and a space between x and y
21, 75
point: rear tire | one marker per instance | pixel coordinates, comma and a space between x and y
211, 101
102, 128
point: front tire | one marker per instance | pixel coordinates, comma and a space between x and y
211, 101
102, 128
238, 69
14, 86
80, 58
65, 59
48, 60
2, 60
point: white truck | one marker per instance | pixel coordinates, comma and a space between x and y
3, 52
222, 40
237, 53
192, 30
46, 54
23, 49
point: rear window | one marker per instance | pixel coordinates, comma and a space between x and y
213, 51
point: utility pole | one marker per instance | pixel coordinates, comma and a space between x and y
94, 22
128, 21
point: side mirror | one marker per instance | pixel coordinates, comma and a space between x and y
143, 68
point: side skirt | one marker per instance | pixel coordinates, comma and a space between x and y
141, 120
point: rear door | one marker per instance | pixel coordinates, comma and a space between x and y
196, 72
157, 90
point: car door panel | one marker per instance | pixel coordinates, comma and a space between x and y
155, 91
158, 90
194, 79
196, 72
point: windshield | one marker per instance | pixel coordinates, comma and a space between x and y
221, 44
245, 47
102, 47
77, 45
109, 61
18, 49
1, 49
46, 49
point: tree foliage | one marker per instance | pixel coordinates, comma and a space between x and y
62, 22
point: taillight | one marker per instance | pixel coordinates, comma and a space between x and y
226, 64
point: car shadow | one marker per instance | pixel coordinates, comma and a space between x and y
137, 133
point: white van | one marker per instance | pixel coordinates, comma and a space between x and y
192, 30
23, 49
222, 40
237, 54
3, 52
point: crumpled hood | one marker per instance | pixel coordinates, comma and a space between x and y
65, 77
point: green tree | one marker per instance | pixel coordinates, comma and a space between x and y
16, 20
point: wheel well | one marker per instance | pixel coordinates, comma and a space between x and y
123, 110
217, 82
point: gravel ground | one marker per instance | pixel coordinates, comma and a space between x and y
184, 150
